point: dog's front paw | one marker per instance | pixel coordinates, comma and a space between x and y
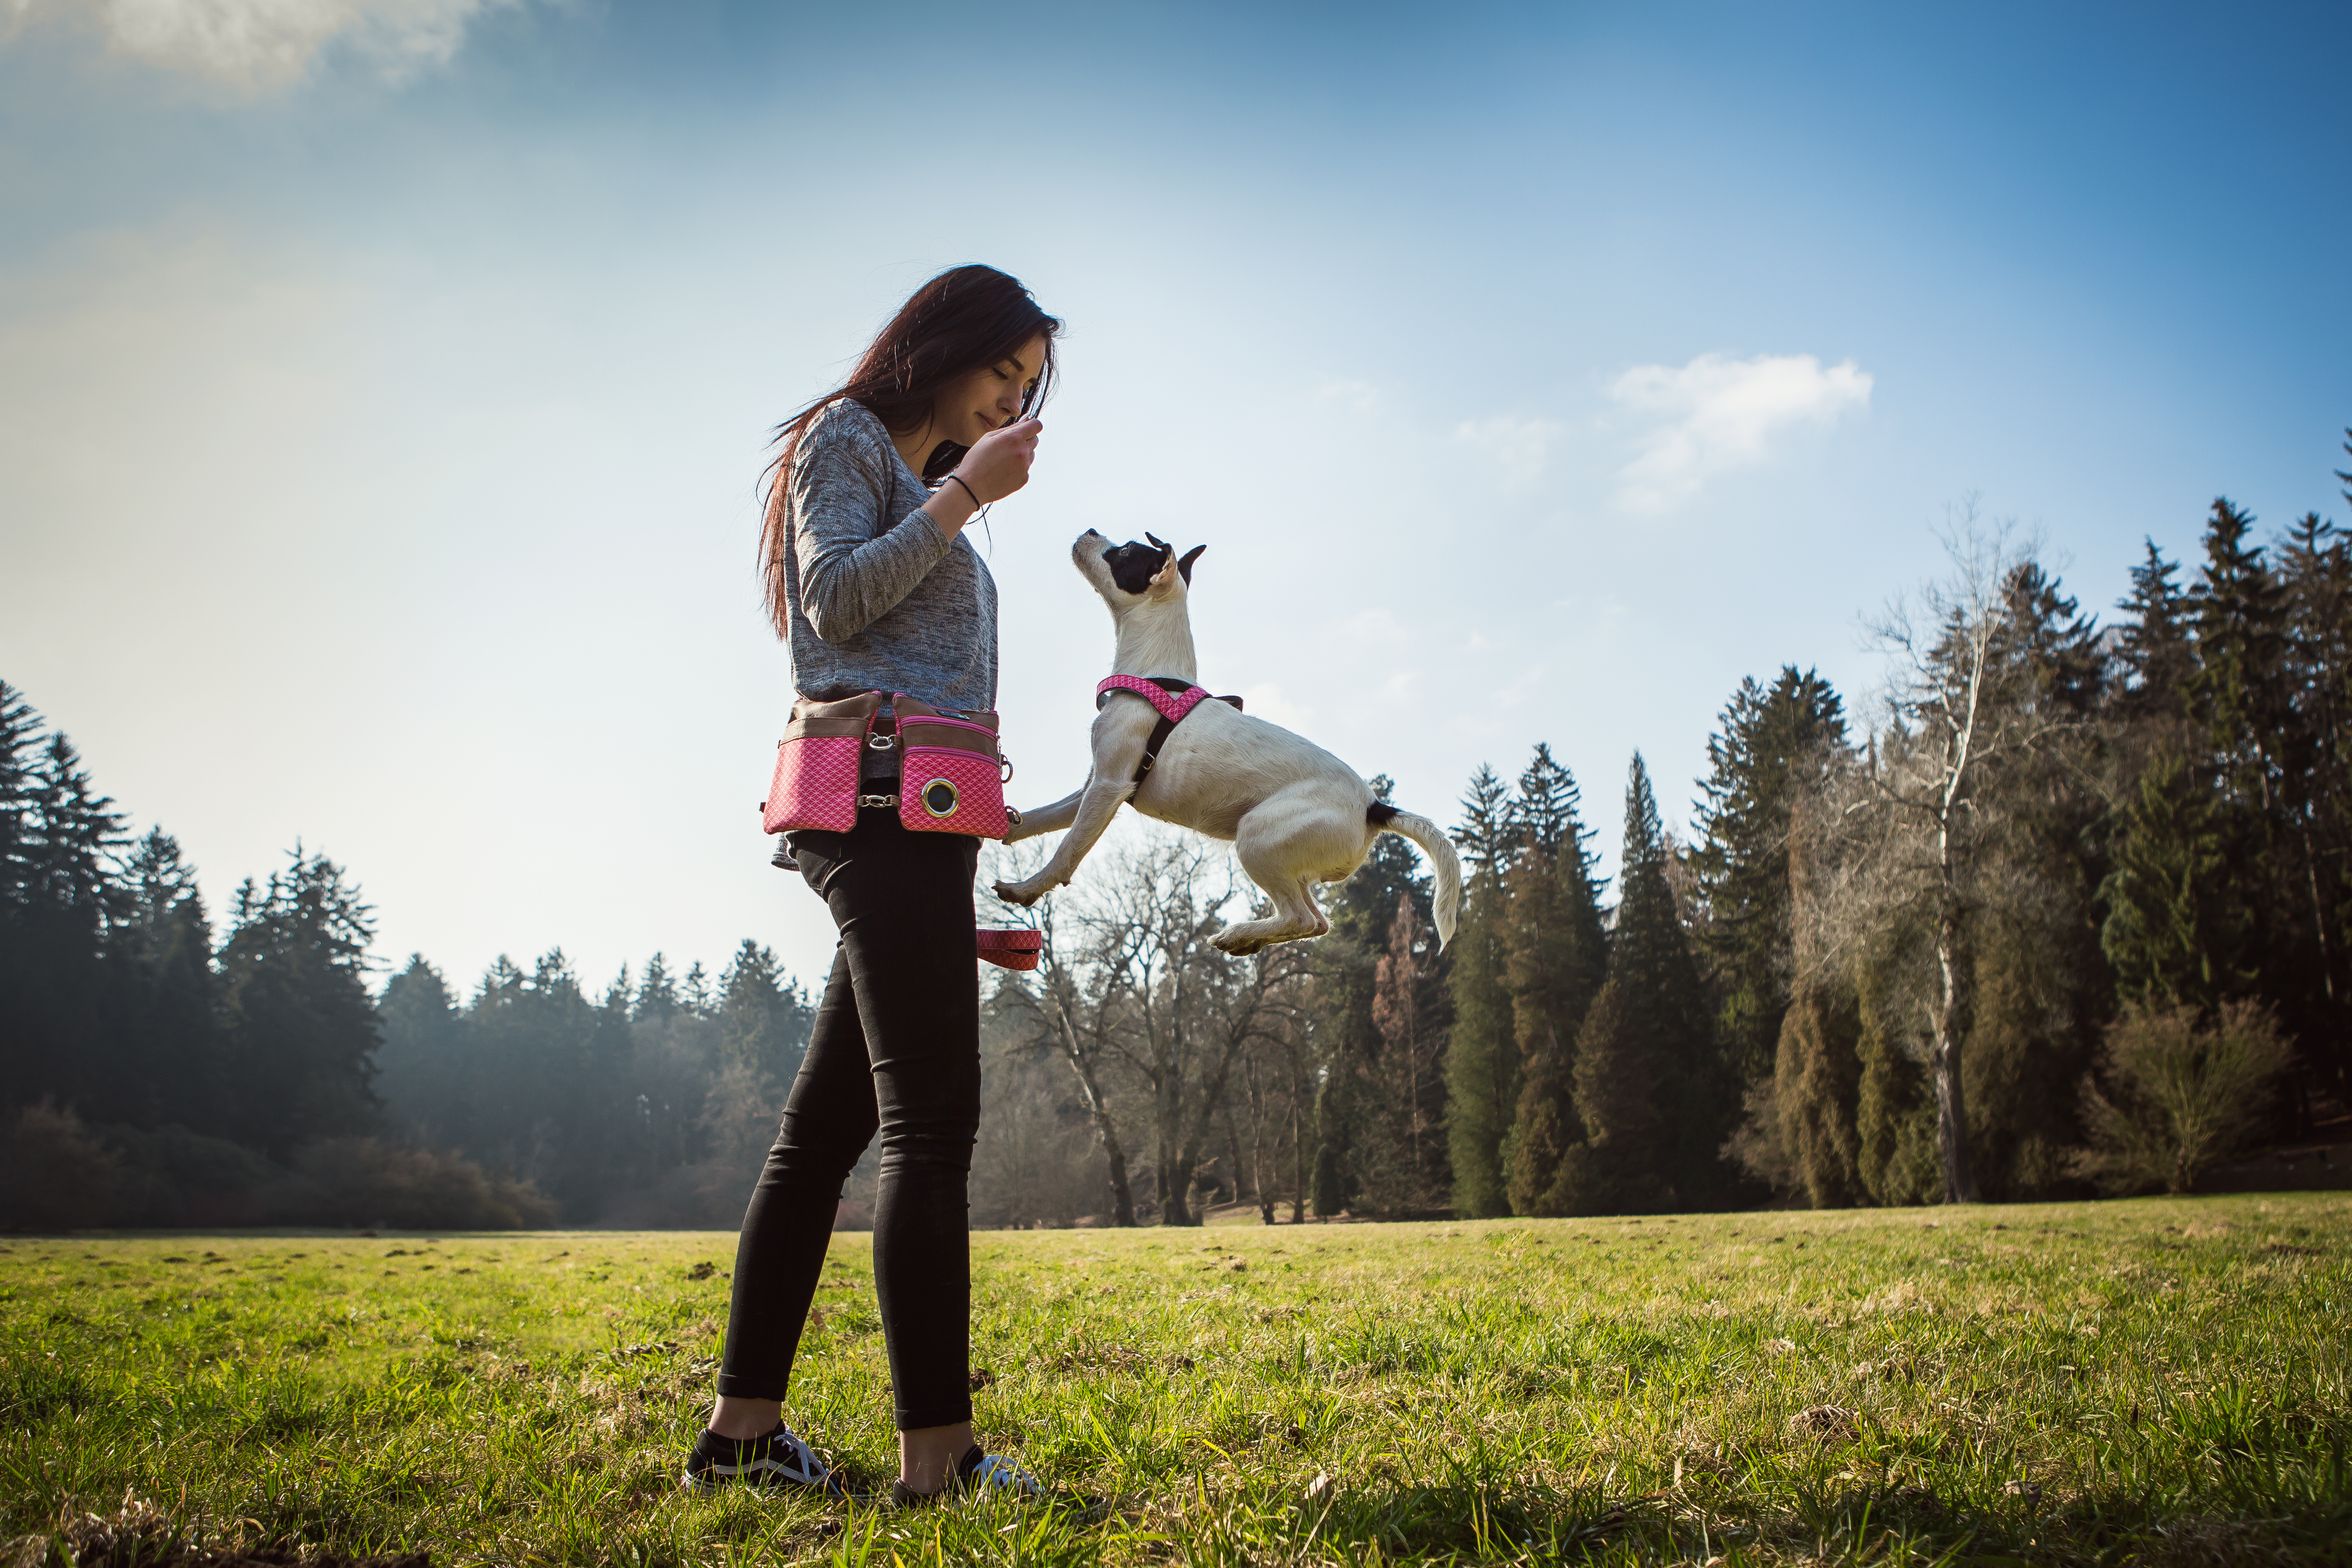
1023, 893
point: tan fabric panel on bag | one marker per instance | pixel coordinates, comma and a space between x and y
917, 732
849, 715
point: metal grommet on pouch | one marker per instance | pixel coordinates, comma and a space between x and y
939, 798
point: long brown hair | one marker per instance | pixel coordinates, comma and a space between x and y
965, 320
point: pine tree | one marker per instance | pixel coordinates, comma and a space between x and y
67, 1004
2154, 647
2244, 697
1408, 1170
658, 999
1654, 1111
159, 882
2039, 993
1482, 1055
2237, 691
20, 740
614, 1118
1542, 815
1484, 832
1556, 950
763, 1022
75, 834
1349, 1105
2052, 663
695, 996
1813, 1101
172, 1052
535, 1095
1897, 1159
1547, 1139
2177, 923
1556, 957
1773, 744
2316, 578
303, 1029
1817, 1084
426, 1071
23, 1042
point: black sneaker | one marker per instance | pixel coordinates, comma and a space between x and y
975, 1473
778, 1461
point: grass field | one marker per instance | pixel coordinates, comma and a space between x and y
2152, 1380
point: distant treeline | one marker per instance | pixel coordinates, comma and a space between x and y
154, 1073
2064, 914
2069, 917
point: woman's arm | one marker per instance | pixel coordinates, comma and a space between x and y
997, 465
850, 576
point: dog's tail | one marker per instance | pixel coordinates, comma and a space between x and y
1385, 817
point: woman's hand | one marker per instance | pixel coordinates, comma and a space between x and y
998, 462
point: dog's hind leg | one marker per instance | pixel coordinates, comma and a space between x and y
1288, 866
1295, 916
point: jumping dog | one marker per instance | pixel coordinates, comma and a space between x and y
1295, 814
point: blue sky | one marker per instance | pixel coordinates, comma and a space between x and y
383, 384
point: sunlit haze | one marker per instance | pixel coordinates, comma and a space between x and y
384, 386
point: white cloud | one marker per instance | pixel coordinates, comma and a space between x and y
1517, 447
1353, 396
1267, 701
255, 45
1717, 413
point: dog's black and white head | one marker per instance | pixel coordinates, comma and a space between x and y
1130, 574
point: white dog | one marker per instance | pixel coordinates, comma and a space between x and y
1294, 813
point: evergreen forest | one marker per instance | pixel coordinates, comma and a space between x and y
2058, 910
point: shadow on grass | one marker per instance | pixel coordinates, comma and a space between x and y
1470, 1521
1465, 1521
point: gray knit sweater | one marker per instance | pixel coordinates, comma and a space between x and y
881, 600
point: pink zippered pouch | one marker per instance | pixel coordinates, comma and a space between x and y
815, 780
950, 776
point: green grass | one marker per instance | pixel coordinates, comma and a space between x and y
2151, 1380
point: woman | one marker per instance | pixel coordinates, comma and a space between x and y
870, 582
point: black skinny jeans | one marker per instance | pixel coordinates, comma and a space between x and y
896, 1046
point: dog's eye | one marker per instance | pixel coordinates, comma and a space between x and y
1132, 566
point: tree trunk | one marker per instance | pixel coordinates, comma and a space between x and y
1174, 1172
1951, 1026
1257, 1140
1184, 1160
1175, 1205
1297, 1156
1122, 1200
1412, 1076
1233, 1154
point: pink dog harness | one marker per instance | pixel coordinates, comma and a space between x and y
1172, 697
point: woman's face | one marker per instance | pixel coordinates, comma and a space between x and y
990, 397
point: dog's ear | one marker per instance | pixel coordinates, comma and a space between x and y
1186, 566
1165, 547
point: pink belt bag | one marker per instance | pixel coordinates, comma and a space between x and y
950, 776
